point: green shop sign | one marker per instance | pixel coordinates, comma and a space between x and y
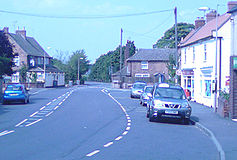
235, 62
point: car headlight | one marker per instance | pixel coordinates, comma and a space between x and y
185, 105
157, 104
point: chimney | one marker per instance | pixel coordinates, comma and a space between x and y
21, 32
126, 53
231, 4
210, 16
199, 22
6, 30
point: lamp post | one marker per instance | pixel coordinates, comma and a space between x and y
78, 71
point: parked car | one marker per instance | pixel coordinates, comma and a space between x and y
137, 89
14, 93
144, 97
168, 101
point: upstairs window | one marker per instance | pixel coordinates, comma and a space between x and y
144, 65
40, 60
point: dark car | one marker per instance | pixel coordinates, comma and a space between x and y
16, 93
168, 101
137, 89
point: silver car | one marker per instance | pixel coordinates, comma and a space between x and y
137, 89
144, 96
168, 101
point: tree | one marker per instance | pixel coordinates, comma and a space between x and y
23, 73
6, 55
109, 63
168, 40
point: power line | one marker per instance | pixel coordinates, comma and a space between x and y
85, 17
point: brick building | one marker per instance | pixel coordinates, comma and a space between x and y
147, 65
33, 57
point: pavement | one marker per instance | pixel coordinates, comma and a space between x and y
222, 131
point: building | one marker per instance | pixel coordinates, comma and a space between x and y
233, 61
201, 60
148, 65
35, 59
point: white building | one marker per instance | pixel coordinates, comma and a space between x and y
198, 55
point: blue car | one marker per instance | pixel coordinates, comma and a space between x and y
16, 93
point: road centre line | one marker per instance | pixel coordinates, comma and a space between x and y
33, 122
21, 122
129, 124
60, 103
93, 153
34, 114
108, 144
6, 132
128, 128
56, 107
42, 108
49, 103
54, 100
125, 132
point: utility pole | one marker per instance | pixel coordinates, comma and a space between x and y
44, 71
121, 58
78, 71
176, 44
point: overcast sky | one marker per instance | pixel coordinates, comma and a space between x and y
98, 36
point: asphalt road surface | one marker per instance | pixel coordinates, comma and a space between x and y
94, 122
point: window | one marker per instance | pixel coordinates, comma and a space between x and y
193, 54
32, 62
16, 60
40, 60
205, 52
144, 65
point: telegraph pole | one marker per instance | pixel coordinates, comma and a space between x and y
176, 44
121, 58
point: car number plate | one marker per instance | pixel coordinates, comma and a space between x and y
171, 112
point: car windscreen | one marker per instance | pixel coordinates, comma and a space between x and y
14, 88
148, 89
169, 93
139, 86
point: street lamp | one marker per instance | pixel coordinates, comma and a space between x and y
78, 71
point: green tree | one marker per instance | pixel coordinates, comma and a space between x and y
168, 40
6, 55
109, 63
23, 73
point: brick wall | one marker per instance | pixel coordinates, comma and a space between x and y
233, 89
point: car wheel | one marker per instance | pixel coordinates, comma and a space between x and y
25, 101
28, 100
140, 102
131, 96
151, 118
148, 112
4, 102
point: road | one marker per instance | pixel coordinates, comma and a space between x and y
94, 122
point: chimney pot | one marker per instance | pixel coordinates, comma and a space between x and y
199, 22
21, 32
6, 30
210, 16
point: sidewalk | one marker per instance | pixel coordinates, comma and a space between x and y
225, 130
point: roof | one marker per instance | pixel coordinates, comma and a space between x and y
29, 45
205, 31
123, 72
157, 54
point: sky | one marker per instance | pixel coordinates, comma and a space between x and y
98, 36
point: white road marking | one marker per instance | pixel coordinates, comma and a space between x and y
33, 122
129, 121
129, 124
56, 107
42, 108
49, 113
6, 132
128, 128
118, 138
34, 114
93, 153
21, 122
60, 103
128, 118
54, 100
124, 133
49, 103
108, 144
59, 97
